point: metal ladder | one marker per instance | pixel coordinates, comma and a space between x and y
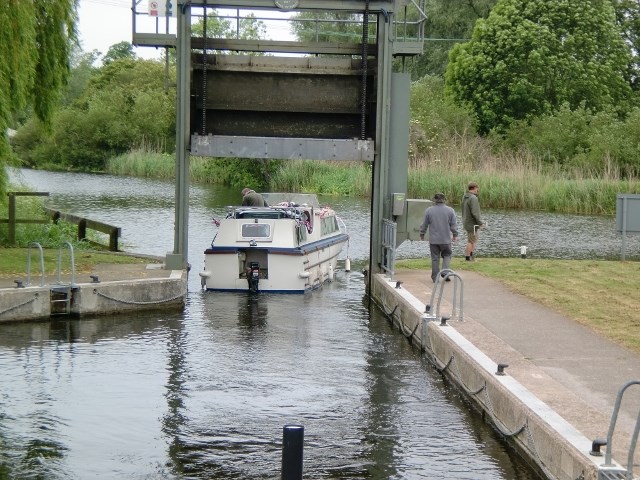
389, 231
61, 293
458, 298
608, 470
35, 244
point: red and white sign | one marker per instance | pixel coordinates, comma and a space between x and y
162, 8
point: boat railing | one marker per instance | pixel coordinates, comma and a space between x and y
273, 212
341, 225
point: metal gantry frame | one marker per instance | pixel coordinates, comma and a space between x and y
390, 157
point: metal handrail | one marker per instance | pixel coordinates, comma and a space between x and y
442, 277
406, 27
73, 269
632, 448
389, 232
612, 426
35, 244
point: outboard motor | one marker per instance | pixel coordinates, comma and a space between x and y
253, 276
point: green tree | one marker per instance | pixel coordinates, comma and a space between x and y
435, 120
628, 19
246, 28
36, 39
118, 51
529, 58
82, 70
596, 144
331, 27
448, 22
124, 107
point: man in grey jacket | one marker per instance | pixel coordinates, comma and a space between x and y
441, 221
471, 221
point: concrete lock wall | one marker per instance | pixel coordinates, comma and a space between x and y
167, 289
127, 295
27, 303
550, 443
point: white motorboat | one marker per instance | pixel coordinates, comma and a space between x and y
291, 246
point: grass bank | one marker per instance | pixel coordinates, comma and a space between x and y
13, 261
602, 295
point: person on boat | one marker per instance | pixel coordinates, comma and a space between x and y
251, 198
441, 221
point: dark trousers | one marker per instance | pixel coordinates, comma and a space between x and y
439, 250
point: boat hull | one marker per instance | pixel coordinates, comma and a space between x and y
281, 270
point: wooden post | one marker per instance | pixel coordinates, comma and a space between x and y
113, 239
12, 218
82, 229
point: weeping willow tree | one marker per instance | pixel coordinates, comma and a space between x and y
36, 39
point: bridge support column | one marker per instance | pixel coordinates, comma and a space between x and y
179, 258
390, 169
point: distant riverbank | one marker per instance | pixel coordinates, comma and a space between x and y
516, 185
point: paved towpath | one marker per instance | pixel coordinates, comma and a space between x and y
575, 371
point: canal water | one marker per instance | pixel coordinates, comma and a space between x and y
204, 393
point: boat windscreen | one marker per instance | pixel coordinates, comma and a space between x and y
310, 199
272, 214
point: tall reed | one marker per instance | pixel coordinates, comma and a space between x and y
149, 164
506, 179
513, 179
143, 163
327, 177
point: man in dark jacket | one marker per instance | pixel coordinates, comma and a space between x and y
471, 221
251, 198
441, 221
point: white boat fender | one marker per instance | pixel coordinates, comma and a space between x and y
331, 273
304, 274
347, 265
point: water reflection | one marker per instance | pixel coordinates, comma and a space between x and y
204, 393
252, 312
205, 396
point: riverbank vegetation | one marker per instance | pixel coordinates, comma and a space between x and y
507, 179
565, 137
579, 289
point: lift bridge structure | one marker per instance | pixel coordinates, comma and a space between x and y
317, 99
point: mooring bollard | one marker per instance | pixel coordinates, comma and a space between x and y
292, 443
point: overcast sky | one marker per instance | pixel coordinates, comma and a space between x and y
106, 22
103, 23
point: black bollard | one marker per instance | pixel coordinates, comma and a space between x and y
292, 442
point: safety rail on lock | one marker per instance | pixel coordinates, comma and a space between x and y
389, 230
72, 261
438, 290
35, 244
609, 470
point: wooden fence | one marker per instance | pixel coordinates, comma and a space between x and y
55, 215
84, 223
12, 220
